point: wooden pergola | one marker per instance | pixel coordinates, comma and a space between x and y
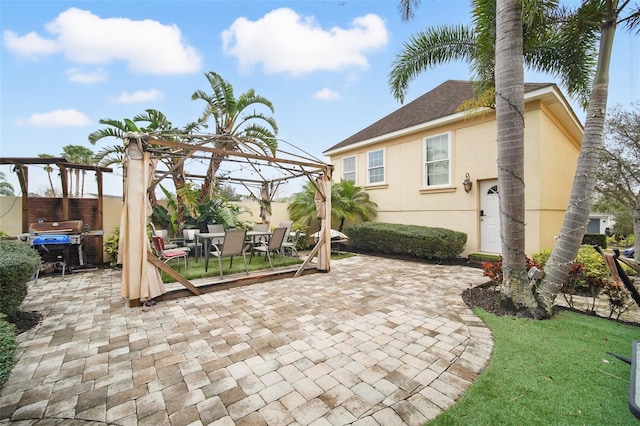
203, 146
22, 170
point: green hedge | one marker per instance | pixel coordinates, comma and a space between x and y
8, 347
18, 262
406, 240
595, 239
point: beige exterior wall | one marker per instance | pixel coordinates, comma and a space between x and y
550, 155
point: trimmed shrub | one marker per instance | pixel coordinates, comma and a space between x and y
406, 240
595, 239
111, 245
594, 271
8, 347
18, 262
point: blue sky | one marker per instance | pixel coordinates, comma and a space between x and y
323, 64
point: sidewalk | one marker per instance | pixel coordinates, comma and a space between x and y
373, 342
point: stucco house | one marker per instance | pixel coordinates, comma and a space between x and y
414, 163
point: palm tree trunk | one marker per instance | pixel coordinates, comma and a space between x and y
636, 228
509, 74
82, 185
206, 192
576, 217
71, 182
53, 191
77, 183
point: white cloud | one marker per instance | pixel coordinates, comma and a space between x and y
30, 45
57, 118
326, 94
139, 96
149, 47
80, 76
284, 42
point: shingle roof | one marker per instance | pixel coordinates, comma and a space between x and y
437, 103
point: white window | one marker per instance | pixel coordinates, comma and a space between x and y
349, 168
437, 160
375, 169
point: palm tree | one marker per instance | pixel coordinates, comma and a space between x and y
351, 203
49, 170
348, 203
563, 51
505, 36
604, 16
6, 189
239, 129
154, 121
80, 155
509, 84
303, 207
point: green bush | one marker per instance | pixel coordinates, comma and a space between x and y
595, 239
406, 240
18, 262
8, 347
111, 245
595, 271
304, 241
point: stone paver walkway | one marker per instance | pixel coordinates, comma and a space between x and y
373, 342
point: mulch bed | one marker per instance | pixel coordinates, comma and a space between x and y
487, 298
25, 321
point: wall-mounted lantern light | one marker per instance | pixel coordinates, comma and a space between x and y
467, 184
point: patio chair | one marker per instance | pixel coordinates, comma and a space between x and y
232, 245
166, 255
216, 228
274, 245
191, 241
165, 236
258, 240
291, 244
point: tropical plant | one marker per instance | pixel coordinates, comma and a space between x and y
351, 203
47, 168
6, 188
348, 203
154, 121
80, 155
237, 128
111, 244
602, 16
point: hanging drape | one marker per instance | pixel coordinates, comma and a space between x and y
323, 207
140, 279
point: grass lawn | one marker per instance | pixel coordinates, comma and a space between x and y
553, 372
196, 269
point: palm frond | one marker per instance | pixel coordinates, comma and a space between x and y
425, 50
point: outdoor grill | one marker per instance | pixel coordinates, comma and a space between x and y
56, 237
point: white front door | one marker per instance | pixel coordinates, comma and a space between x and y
489, 217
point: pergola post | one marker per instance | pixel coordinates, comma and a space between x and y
23, 178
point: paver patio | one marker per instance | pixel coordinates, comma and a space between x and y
375, 341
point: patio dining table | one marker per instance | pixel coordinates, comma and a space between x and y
207, 237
